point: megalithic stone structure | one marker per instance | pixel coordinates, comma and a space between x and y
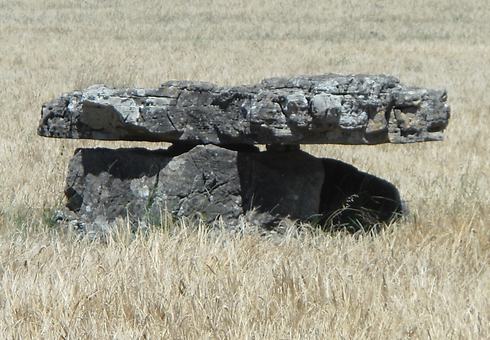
303, 110
213, 170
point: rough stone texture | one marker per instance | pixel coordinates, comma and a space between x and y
358, 109
210, 182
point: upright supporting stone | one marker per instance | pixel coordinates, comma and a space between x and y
212, 182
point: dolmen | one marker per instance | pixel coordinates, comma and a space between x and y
214, 169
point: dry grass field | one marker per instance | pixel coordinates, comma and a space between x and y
426, 276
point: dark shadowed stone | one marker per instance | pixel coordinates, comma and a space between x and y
351, 197
343, 109
212, 182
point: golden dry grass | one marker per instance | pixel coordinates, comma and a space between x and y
424, 277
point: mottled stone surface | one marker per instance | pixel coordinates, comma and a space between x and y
353, 109
212, 182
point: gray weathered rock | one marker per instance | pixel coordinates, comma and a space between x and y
358, 109
212, 182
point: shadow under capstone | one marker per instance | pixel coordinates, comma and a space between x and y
233, 184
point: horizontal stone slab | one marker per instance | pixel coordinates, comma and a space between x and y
211, 182
353, 109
